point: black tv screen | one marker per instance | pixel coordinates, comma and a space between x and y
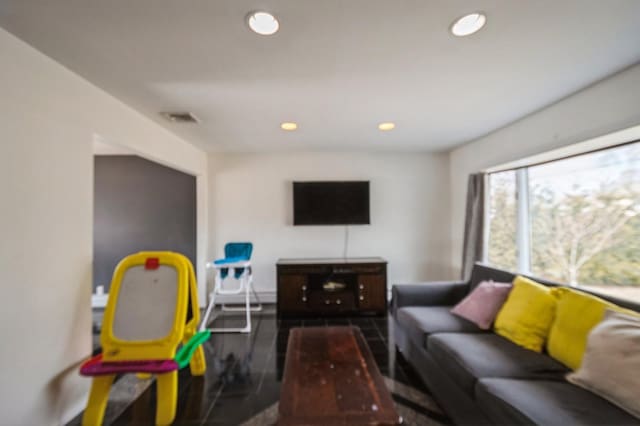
331, 203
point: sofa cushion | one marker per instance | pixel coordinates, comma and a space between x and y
544, 402
576, 314
421, 321
482, 305
527, 315
613, 342
467, 357
482, 272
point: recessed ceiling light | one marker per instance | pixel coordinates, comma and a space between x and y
288, 126
468, 24
263, 23
386, 126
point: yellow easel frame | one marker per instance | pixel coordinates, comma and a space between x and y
115, 349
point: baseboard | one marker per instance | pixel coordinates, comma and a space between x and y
100, 301
264, 296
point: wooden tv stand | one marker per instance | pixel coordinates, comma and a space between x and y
331, 287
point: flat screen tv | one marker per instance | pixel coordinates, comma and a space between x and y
331, 203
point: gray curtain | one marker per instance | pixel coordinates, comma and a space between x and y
473, 224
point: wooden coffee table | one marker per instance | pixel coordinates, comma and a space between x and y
331, 378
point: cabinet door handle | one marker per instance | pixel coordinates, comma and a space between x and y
361, 287
327, 302
338, 302
304, 299
361, 297
304, 288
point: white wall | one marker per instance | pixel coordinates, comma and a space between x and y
251, 199
49, 118
605, 107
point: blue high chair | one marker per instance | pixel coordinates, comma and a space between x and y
237, 263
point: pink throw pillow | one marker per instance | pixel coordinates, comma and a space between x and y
483, 304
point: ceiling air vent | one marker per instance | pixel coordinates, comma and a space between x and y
180, 117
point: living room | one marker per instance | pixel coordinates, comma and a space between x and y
386, 94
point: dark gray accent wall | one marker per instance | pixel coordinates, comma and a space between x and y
139, 205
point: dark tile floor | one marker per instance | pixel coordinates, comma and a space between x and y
244, 371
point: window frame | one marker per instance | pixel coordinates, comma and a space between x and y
523, 213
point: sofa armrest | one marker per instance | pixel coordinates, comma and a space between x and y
436, 293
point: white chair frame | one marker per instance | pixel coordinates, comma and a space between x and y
245, 285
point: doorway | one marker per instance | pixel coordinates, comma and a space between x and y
138, 205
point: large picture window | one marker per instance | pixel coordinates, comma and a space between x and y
575, 220
503, 220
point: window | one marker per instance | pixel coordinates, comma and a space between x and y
575, 220
503, 249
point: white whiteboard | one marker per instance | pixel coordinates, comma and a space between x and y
146, 304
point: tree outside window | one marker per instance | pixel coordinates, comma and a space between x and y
503, 250
584, 221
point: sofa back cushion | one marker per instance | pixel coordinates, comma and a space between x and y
611, 363
576, 314
481, 272
527, 315
483, 303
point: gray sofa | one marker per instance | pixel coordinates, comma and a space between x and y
479, 377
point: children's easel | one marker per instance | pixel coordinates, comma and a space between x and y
152, 309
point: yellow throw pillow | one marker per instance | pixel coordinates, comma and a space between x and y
527, 315
577, 313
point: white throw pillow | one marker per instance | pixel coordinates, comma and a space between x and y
611, 364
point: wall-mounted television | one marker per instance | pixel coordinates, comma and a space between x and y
331, 203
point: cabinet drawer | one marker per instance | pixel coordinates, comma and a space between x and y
303, 270
292, 293
372, 292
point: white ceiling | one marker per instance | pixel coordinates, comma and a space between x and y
337, 67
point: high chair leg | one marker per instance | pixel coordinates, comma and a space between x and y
98, 397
